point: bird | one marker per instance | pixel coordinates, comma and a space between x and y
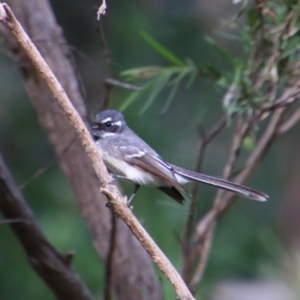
129, 157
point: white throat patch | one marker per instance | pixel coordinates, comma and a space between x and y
105, 134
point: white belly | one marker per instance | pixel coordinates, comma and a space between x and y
131, 173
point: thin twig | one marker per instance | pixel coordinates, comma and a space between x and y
45, 168
15, 220
110, 258
118, 202
207, 138
124, 85
251, 164
241, 132
113, 233
37, 174
280, 103
107, 56
102, 10
204, 241
204, 254
157, 255
292, 121
188, 259
7, 53
43, 257
262, 71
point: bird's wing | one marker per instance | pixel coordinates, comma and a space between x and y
152, 163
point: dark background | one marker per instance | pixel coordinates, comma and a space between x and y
250, 239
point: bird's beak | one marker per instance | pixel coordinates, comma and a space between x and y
95, 131
95, 127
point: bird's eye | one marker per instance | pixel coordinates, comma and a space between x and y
108, 124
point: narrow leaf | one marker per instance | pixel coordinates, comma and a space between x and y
134, 95
159, 84
143, 72
222, 53
180, 76
163, 51
191, 80
170, 98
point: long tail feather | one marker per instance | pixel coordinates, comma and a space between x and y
222, 184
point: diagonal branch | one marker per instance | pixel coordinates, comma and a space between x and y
119, 203
292, 120
203, 243
252, 162
140, 283
204, 254
46, 261
188, 259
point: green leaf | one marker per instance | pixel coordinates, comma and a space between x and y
181, 73
252, 17
143, 72
209, 71
190, 62
164, 52
134, 95
191, 80
238, 15
170, 97
159, 84
223, 82
230, 36
249, 143
219, 50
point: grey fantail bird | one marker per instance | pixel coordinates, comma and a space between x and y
127, 156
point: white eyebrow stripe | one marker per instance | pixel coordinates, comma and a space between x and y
106, 120
119, 123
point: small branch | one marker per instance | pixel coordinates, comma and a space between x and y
207, 138
252, 162
188, 259
292, 121
279, 103
102, 10
7, 53
204, 255
106, 51
37, 174
109, 83
241, 131
119, 203
124, 85
204, 239
157, 255
15, 220
45, 168
262, 71
110, 258
45, 260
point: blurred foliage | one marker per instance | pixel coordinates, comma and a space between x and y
242, 75
162, 77
188, 91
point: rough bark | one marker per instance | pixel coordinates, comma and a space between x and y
133, 275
